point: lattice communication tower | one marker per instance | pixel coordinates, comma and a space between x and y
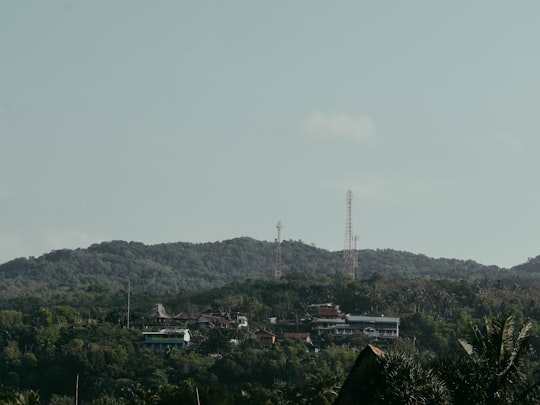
277, 268
350, 255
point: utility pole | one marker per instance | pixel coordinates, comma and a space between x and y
77, 390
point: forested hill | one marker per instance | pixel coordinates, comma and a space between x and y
172, 267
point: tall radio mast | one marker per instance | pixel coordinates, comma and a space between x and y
350, 256
277, 269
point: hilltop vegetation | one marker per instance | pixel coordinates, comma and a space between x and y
176, 267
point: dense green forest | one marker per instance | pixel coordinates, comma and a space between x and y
176, 267
64, 315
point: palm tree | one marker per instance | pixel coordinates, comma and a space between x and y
322, 388
408, 382
393, 378
494, 367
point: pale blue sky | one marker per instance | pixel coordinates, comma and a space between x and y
202, 121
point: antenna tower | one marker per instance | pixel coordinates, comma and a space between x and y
350, 256
277, 269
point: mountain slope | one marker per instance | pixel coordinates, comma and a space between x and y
174, 267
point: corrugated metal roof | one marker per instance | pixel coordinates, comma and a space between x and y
374, 319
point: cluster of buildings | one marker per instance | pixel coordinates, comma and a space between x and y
163, 331
328, 319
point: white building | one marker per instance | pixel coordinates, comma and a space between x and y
381, 328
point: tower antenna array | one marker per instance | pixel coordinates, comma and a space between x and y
350, 256
277, 269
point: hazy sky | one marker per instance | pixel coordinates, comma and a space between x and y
200, 121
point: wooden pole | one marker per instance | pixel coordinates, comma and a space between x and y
77, 390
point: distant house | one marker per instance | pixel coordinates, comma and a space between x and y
317, 310
325, 312
159, 312
327, 318
182, 316
320, 326
165, 339
207, 321
158, 317
186, 319
381, 329
324, 317
266, 339
304, 336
